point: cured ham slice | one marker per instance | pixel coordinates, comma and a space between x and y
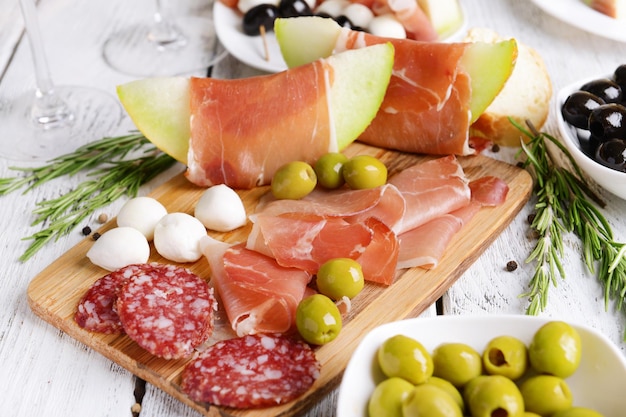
386, 203
427, 107
379, 261
425, 245
306, 241
248, 142
431, 189
259, 295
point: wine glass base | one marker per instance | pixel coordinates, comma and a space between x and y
135, 51
95, 115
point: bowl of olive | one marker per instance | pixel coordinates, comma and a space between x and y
591, 117
454, 366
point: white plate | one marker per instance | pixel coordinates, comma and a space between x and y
251, 50
598, 382
577, 14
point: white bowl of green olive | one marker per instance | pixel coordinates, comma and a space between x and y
483, 358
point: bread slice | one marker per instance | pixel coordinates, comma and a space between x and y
525, 96
612, 8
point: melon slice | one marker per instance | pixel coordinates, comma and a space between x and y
160, 109
489, 65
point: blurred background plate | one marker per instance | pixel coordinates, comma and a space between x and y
576, 13
251, 49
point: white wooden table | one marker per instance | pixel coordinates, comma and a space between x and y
44, 372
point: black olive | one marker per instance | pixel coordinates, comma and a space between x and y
294, 8
620, 78
578, 106
608, 121
607, 90
612, 154
261, 15
588, 144
343, 21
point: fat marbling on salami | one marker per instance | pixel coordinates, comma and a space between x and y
167, 310
251, 371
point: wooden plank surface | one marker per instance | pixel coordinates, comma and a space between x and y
54, 293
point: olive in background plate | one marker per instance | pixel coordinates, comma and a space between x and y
578, 107
620, 78
608, 121
259, 16
608, 90
294, 8
612, 154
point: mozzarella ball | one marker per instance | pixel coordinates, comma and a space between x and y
177, 237
359, 14
119, 247
333, 8
387, 25
141, 213
220, 208
245, 5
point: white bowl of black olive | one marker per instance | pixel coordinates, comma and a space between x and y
592, 123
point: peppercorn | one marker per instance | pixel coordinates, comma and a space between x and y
511, 266
86, 230
96, 236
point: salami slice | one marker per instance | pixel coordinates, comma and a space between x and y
167, 310
251, 371
96, 310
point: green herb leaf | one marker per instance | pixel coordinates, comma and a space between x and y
111, 176
565, 203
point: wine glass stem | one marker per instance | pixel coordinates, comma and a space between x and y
165, 34
48, 109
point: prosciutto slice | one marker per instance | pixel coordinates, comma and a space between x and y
424, 246
259, 295
431, 189
249, 140
426, 107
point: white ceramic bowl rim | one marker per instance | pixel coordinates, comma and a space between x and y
602, 363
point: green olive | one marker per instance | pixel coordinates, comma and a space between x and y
506, 356
555, 349
329, 170
318, 319
450, 389
387, 398
364, 171
429, 400
578, 412
340, 277
293, 181
546, 394
493, 395
405, 357
457, 363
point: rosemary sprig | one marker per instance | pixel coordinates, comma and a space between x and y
110, 176
565, 203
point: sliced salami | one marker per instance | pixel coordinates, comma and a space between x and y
251, 371
167, 310
96, 310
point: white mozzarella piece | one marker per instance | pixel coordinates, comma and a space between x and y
119, 247
388, 26
220, 208
358, 14
177, 237
141, 213
245, 5
332, 8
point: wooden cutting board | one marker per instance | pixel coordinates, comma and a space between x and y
55, 292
